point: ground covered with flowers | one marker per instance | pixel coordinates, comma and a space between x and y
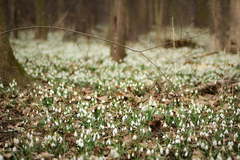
88, 107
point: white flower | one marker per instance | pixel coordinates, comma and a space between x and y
134, 137
15, 141
115, 132
219, 156
1, 157
161, 150
80, 142
214, 143
167, 151
75, 134
238, 157
148, 152
229, 158
108, 142
14, 149
164, 125
219, 143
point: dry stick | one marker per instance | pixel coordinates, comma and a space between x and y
194, 56
173, 33
204, 54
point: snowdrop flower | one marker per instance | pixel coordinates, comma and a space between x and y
15, 141
80, 142
14, 149
219, 156
229, 158
115, 132
164, 125
167, 151
108, 142
134, 137
214, 143
161, 150
75, 134
148, 152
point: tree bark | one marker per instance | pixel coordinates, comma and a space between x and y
9, 67
41, 19
234, 37
13, 15
220, 28
158, 11
138, 18
119, 30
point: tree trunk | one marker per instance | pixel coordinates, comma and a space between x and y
138, 18
119, 30
234, 37
61, 13
9, 67
111, 21
13, 15
201, 19
220, 28
41, 19
158, 11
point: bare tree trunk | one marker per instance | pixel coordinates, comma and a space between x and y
158, 11
220, 28
138, 18
41, 19
234, 37
61, 13
119, 30
9, 67
13, 15
111, 21
201, 18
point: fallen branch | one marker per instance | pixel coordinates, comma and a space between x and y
204, 54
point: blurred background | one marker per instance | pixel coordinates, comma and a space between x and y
141, 17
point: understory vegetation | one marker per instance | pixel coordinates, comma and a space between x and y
88, 106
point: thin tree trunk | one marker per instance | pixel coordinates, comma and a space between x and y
41, 19
13, 16
158, 11
234, 37
220, 28
138, 18
9, 67
119, 30
111, 21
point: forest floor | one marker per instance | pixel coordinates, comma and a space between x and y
90, 107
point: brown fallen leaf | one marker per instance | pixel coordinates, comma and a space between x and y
197, 155
8, 155
96, 151
44, 155
103, 98
127, 139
